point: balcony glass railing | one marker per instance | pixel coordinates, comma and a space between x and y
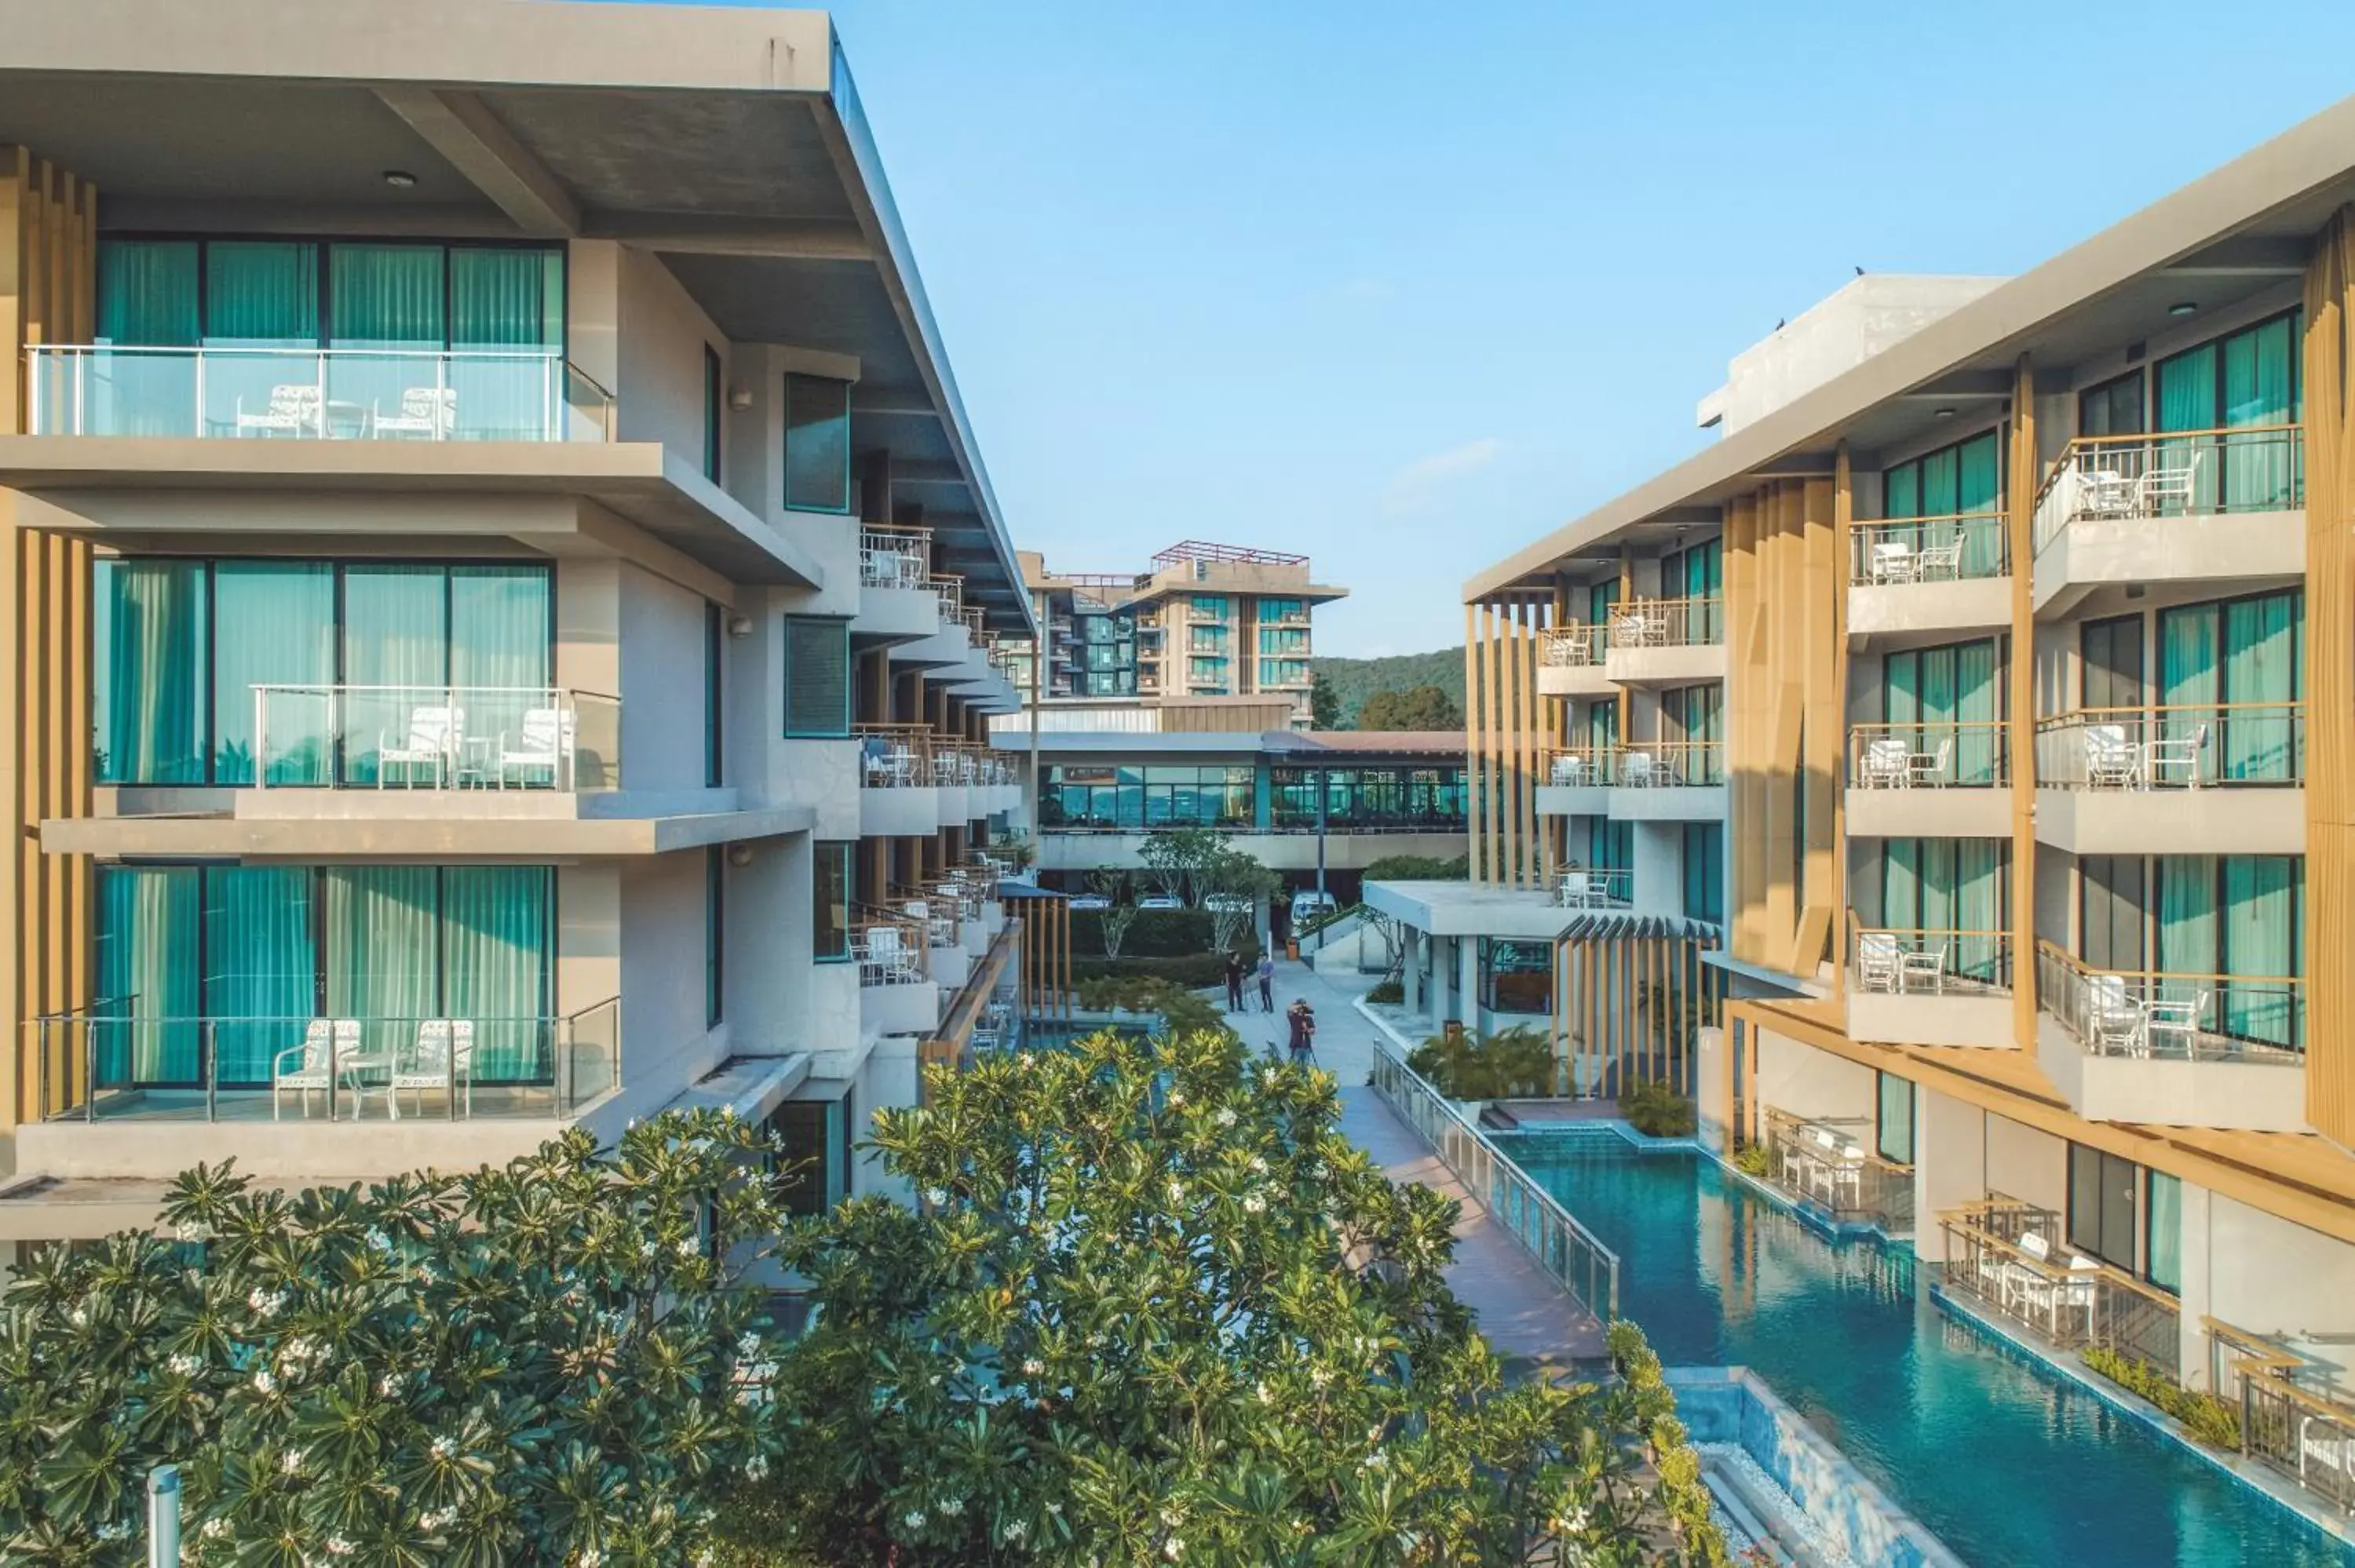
1930, 962
315, 394
1668, 623
437, 738
1958, 548
1929, 753
2154, 1013
2188, 747
338, 1069
2185, 473
1664, 764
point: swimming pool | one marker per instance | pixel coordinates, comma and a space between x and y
2010, 1465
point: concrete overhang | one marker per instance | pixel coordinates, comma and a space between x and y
69, 476
751, 1087
1471, 909
214, 837
2228, 235
729, 142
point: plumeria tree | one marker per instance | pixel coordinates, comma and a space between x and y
558, 1362
1157, 1309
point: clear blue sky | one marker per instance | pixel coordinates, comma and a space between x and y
1404, 286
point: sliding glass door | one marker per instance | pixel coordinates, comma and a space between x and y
1954, 887
1948, 696
2244, 388
2231, 929
1963, 481
2230, 678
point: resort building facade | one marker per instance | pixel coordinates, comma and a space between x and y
1975, 715
504, 600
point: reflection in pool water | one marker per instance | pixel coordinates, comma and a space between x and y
2007, 1464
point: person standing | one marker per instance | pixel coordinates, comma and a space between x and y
1234, 981
1303, 1020
1266, 981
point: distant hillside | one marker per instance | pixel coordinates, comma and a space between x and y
1355, 680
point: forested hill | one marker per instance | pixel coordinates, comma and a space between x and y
1355, 680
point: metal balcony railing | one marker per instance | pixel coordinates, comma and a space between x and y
2178, 745
436, 737
1825, 1160
890, 556
1929, 753
113, 1062
1646, 764
2011, 1259
2294, 1415
891, 948
1576, 646
1959, 548
315, 394
2177, 473
1668, 623
1930, 962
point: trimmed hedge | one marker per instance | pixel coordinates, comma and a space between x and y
1193, 971
1153, 934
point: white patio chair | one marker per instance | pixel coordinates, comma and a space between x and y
543, 739
2176, 1021
442, 1058
1638, 771
1887, 764
1575, 891
1880, 962
293, 410
428, 411
1893, 561
888, 952
1930, 767
1922, 969
310, 1067
1572, 645
2103, 491
2113, 1024
432, 742
2333, 1449
1568, 769
1942, 562
2179, 756
2112, 761
2175, 484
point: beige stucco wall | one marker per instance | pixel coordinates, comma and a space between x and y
2024, 1164
2264, 1275
663, 336
1799, 1079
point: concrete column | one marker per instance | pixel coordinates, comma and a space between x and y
1468, 954
1713, 1099
1949, 1165
2197, 1294
1410, 976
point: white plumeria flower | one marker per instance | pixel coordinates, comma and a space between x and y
1571, 1523
1173, 1548
748, 1345
388, 1384
1027, 1059
647, 1249
913, 1519
687, 1247
1226, 1116
115, 1531
379, 1240
756, 1466
936, 1196
1014, 1530
1266, 1396
339, 1547
1259, 1165
79, 1317
291, 1462
1319, 1376
1376, 1462
186, 1365
189, 1231
264, 1383
1033, 1367
214, 1528
1254, 1204
444, 1448
951, 1506
590, 1556
1173, 1517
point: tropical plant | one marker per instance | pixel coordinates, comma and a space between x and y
1754, 1160
1417, 708
1324, 703
558, 1362
1656, 1111
1115, 918
1516, 1062
1232, 884
1155, 1309
2212, 1421
1175, 858
1014, 849
1388, 991
1418, 868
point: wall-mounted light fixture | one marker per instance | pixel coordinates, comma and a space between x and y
399, 179
740, 626
739, 855
740, 397
2183, 308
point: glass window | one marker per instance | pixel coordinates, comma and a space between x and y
275, 625
817, 678
2245, 381
715, 407
1283, 672
2113, 408
1516, 977
260, 963
817, 444
1210, 606
149, 699
2163, 1247
814, 1170
146, 951
715, 660
1704, 872
2109, 674
147, 294
1895, 1140
1282, 609
714, 931
830, 888
2102, 1221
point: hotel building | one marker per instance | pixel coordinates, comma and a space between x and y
1972, 716
504, 599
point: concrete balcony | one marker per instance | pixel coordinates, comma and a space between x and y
2172, 1050
2194, 506
1660, 781
1949, 779
1928, 575
1667, 643
1931, 988
1570, 664
897, 992
2224, 779
895, 604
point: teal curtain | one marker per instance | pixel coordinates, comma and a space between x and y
2163, 1250
2191, 677
2260, 390
261, 965
1978, 905
1599, 598
260, 295
1895, 1122
383, 957
2262, 939
1901, 490
388, 299
147, 298
2189, 928
274, 624
396, 640
146, 957
1979, 492
499, 639
1902, 898
2186, 401
510, 301
496, 959
2261, 664
148, 635
1601, 727
1977, 704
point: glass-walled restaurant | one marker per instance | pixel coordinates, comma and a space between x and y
278, 338
1111, 797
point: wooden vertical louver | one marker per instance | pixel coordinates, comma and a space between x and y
2023, 472
48, 224
2330, 679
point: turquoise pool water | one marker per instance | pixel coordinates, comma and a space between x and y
2010, 1467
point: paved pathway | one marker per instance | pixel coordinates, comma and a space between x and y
1524, 1314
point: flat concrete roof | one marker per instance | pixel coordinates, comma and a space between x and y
1281, 744
1471, 909
2230, 234
727, 141
429, 838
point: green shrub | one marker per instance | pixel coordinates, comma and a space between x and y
1418, 868
1753, 1159
1193, 971
1511, 1063
1180, 1008
1389, 991
2208, 1418
1155, 933
1656, 1111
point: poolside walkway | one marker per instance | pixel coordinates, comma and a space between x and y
1524, 1314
